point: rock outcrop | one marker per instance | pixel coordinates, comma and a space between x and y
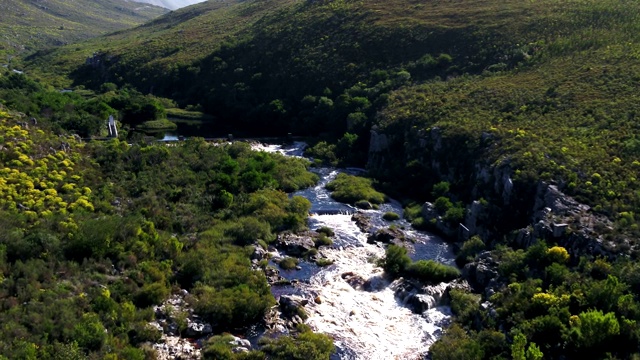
387, 236
420, 298
363, 221
289, 312
296, 245
172, 344
482, 274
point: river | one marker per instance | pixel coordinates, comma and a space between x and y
372, 324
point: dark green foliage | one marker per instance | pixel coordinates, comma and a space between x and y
324, 262
431, 271
412, 212
397, 263
247, 230
90, 333
288, 263
322, 240
396, 260
304, 346
325, 230
442, 204
465, 306
390, 216
352, 189
469, 250
456, 345
232, 307
440, 189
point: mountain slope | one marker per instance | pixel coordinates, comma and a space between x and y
234, 56
468, 66
171, 4
32, 24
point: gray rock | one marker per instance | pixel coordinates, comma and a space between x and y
197, 329
362, 220
388, 235
295, 245
559, 230
258, 253
290, 305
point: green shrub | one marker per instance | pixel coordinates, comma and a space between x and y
151, 294
455, 214
442, 204
464, 305
440, 189
311, 252
288, 263
364, 204
351, 189
390, 216
412, 212
324, 262
469, 250
395, 261
420, 224
431, 271
326, 230
322, 240
304, 346
162, 124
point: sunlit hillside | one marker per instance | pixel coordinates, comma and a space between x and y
30, 25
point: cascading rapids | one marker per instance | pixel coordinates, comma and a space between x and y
351, 300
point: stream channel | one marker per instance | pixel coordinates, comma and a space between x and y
372, 324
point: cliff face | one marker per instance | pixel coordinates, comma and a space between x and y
499, 205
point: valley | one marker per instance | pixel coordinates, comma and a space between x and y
506, 128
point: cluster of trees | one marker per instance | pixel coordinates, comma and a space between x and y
80, 111
552, 305
117, 228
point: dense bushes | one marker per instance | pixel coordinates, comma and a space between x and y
352, 189
397, 263
551, 306
432, 271
106, 230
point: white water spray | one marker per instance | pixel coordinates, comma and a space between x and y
351, 300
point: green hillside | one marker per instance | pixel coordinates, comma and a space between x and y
32, 24
517, 119
558, 74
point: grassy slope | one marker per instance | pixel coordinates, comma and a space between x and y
552, 80
567, 113
29, 25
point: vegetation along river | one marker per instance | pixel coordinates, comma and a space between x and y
363, 312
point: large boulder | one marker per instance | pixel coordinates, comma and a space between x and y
387, 236
292, 305
482, 274
258, 253
294, 244
362, 220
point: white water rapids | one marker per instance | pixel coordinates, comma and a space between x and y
370, 324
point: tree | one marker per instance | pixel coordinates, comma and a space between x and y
596, 328
396, 260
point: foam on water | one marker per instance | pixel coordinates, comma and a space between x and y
367, 324
372, 324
